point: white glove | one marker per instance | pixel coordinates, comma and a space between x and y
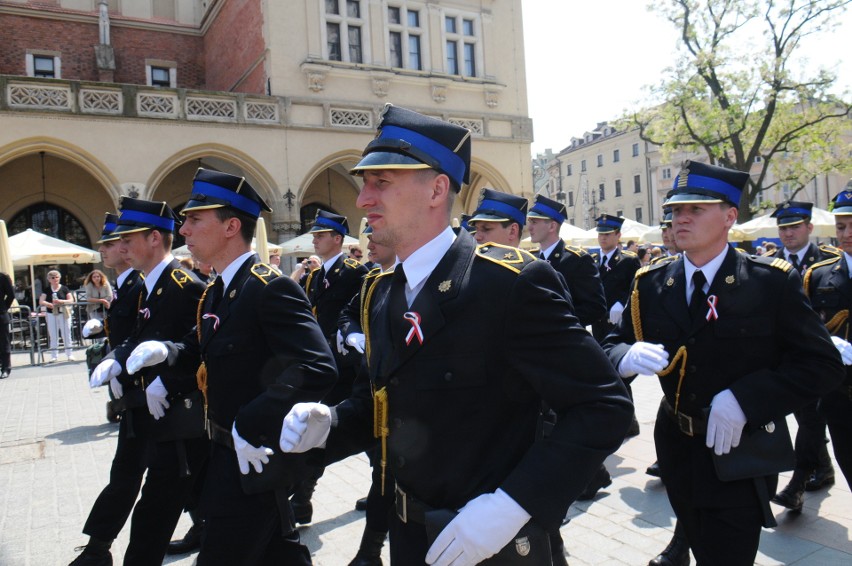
615, 313
845, 349
483, 527
306, 426
146, 354
644, 358
156, 395
357, 341
104, 372
116, 388
341, 349
92, 326
725, 423
248, 454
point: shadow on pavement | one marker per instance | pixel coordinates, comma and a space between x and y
85, 433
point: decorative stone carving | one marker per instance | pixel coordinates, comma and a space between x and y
439, 93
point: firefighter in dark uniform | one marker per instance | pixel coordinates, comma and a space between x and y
165, 311
329, 288
813, 464
465, 346
114, 504
575, 264
261, 351
617, 268
830, 289
746, 349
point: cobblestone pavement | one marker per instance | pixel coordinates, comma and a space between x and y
56, 448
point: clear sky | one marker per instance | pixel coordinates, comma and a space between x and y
588, 60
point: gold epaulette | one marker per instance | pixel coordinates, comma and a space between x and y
740, 250
806, 279
776, 262
629, 253
513, 259
664, 259
375, 271
310, 278
830, 250
575, 250
771, 253
353, 263
265, 272
652, 266
181, 277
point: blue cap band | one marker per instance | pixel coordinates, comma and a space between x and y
723, 190
450, 163
147, 218
109, 227
607, 223
510, 211
329, 223
548, 211
792, 211
236, 200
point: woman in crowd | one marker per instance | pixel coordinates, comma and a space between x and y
98, 294
55, 298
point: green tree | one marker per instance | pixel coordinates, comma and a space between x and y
739, 94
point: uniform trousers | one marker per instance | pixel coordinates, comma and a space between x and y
718, 535
57, 324
811, 451
379, 507
249, 530
114, 504
5, 343
837, 409
164, 495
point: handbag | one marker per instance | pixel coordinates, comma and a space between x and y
530, 547
184, 419
765, 451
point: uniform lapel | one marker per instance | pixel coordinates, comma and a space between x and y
153, 301
674, 295
727, 279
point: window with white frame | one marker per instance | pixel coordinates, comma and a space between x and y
405, 38
600, 160
618, 187
46, 65
667, 173
635, 150
569, 171
616, 156
602, 191
639, 214
343, 31
461, 40
637, 184
161, 73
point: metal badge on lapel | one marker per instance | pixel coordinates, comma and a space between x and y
669, 281
522, 546
233, 293
730, 279
160, 291
444, 286
415, 330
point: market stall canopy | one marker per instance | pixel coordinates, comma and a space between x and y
304, 245
274, 249
766, 227
34, 248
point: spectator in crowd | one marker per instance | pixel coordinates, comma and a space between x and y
305, 266
55, 299
98, 294
356, 253
275, 260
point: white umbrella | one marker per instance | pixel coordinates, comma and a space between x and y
303, 245
630, 230
6, 253
766, 227
34, 248
274, 249
261, 245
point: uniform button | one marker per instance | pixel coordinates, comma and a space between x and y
394, 381
400, 462
136, 382
448, 376
691, 341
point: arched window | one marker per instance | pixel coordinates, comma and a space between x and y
51, 220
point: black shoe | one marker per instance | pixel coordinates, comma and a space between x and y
370, 551
303, 510
600, 480
792, 497
634, 428
190, 542
558, 558
675, 554
653, 470
823, 477
361, 504
93, 555
111, 415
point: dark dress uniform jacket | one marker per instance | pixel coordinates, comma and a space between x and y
122, 312
616, 279
814, 254
767, 346
584, 282
265, 354
498, 339
168, 313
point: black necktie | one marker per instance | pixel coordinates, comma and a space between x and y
698, 303
542, 256
397, 306
794, 259
216, 292
604, 261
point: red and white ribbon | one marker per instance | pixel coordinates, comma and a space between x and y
415, 330
146, 313
215, 320
712, 301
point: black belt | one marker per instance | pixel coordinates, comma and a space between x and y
409, 508
220, 435
687, 424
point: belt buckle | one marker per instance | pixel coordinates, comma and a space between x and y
401, 504
684, 422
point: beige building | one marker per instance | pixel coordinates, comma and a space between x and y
111, 98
